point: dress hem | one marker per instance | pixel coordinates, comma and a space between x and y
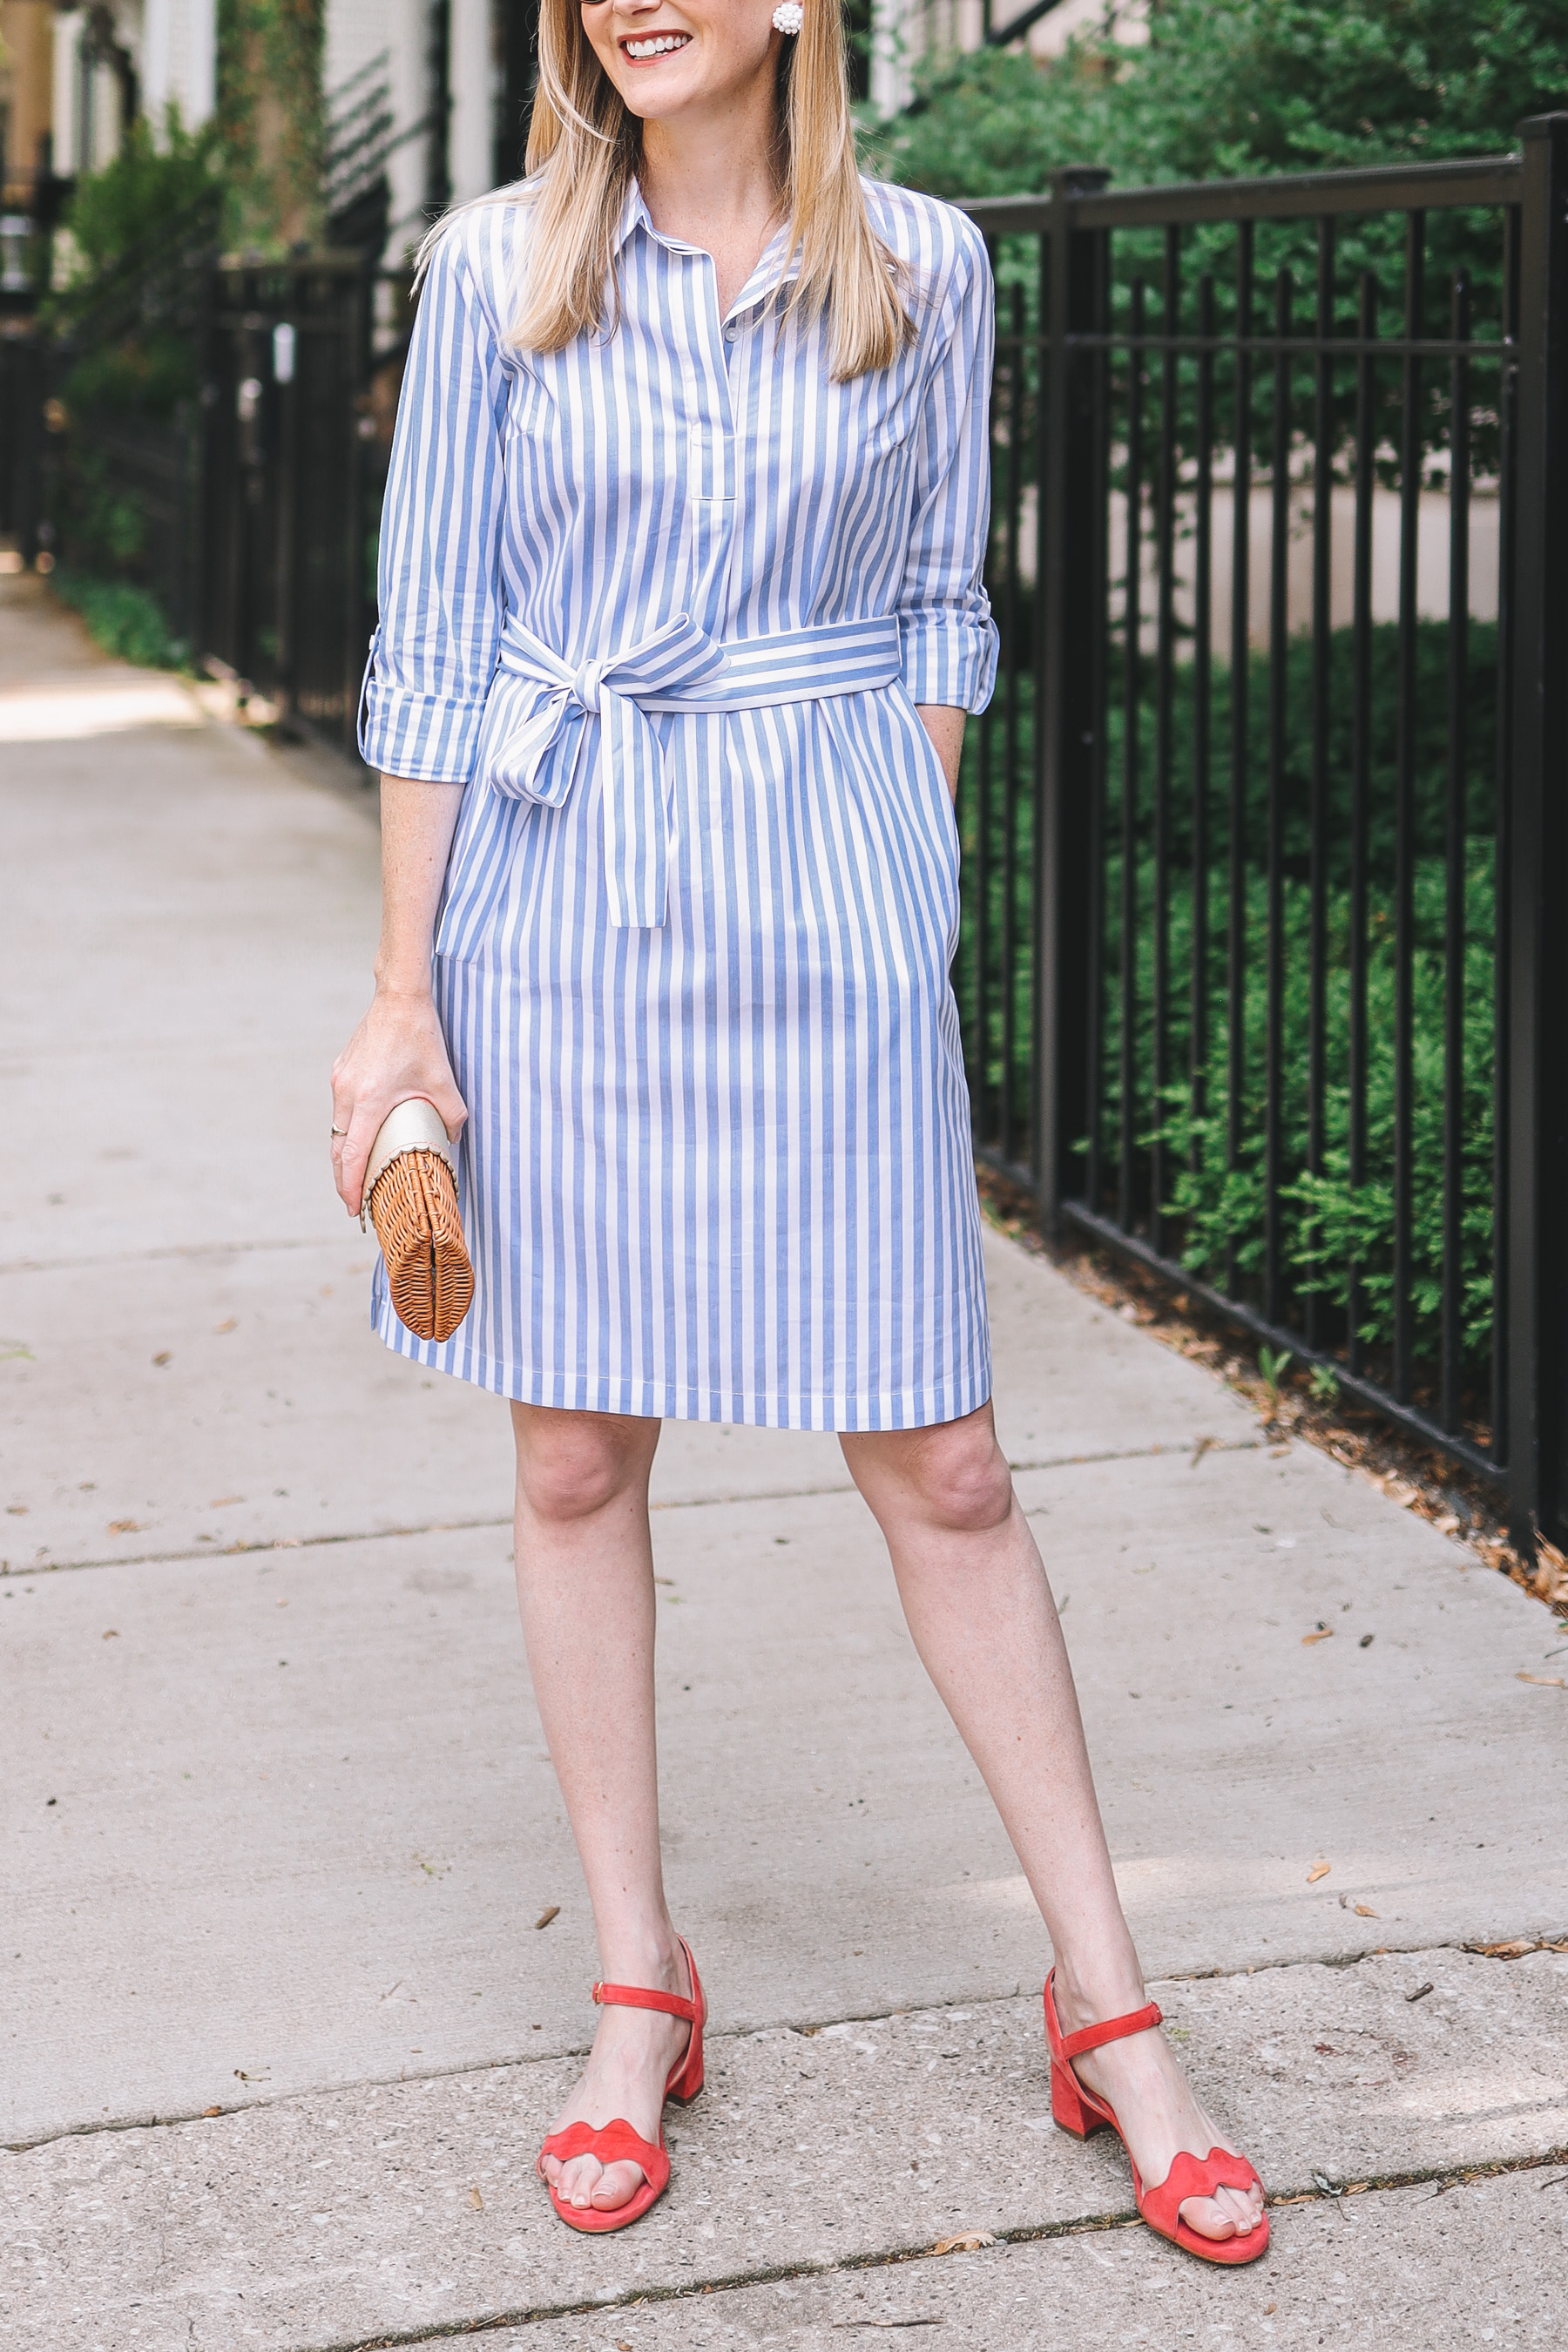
655, 1401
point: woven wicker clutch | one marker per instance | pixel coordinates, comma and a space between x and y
410, 1197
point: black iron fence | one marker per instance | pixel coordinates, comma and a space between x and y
294, 456
1265, 833
216, 432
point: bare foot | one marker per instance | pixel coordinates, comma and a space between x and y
629, 2066
1159, 2113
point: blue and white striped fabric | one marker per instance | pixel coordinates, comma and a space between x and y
664, 602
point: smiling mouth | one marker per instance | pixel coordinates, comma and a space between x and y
654, 44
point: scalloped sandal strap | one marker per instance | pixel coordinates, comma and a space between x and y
614, 1996
1112, 2029
1194, 2176
613, 2143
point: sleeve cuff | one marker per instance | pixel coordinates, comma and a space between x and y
432, 738
949, 657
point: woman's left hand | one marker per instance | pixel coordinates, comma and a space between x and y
945, 727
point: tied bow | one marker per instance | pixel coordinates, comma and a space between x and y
547, 708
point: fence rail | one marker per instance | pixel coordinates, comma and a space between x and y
1257, 906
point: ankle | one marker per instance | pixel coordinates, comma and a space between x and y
653, 1959
1089, 1996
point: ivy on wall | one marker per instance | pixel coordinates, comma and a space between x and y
272, 121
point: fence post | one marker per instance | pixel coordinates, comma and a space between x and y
1538, 1094
1068, 616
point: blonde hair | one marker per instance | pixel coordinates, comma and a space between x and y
583, 151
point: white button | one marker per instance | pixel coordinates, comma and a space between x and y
731, 332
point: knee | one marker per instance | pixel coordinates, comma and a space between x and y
570, 1467
961, 1480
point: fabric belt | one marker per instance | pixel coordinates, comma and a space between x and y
545, 709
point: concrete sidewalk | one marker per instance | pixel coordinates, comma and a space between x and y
277, 1801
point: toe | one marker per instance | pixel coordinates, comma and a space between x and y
1245, 2207
1209, 2217
576, 2181
1228, 2213
616, 2186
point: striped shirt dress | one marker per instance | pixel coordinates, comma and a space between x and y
663, 603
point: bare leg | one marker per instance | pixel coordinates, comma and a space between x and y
585, 1583
980, 1610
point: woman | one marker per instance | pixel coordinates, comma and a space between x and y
681, 615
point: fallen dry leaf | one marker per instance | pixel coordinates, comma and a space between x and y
1201, 1448
550, 1911
221, 1502
968, 2242
1319, 1870
125, 1527
1365, 1911
1513, 1950
231, 1325
1323, 1634
1545, 1682
17, 1510
113, 1634
211, 2111
164, 1356
476, 2200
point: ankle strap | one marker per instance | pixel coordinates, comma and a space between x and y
1111, 2029
614, 1996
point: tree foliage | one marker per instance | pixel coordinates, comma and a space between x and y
1229, 88
128, 208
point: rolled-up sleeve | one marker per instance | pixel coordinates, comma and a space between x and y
947, 638
434, 651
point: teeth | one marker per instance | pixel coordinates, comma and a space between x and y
658, 46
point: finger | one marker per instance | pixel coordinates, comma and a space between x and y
342, 1119
354, 1155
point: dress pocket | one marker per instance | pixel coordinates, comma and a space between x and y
942, 812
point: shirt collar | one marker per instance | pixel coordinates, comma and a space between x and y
774, 266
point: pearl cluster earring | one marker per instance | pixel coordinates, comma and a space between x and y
789, 16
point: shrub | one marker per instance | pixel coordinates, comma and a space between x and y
1325, 1224
125, 620
131, 206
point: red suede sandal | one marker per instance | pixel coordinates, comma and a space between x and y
1078, 2110
616, 2142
